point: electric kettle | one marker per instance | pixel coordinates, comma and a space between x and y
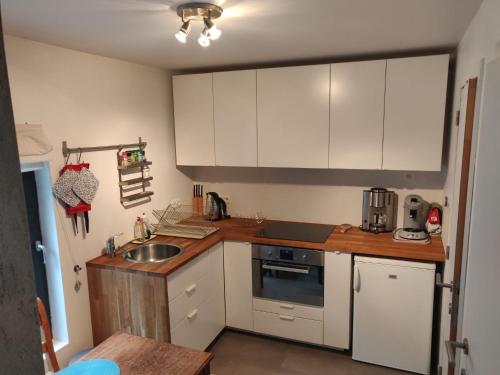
216, 208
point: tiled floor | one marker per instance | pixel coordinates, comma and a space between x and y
246, 354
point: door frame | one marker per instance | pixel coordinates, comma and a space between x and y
48, 225
464, 208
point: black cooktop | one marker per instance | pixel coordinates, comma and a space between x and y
305, 232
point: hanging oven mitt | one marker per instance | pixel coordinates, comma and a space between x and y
86, 185
73, 203
63, 188
81, 207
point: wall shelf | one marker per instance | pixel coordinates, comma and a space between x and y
134, 165
135, 197
134, 181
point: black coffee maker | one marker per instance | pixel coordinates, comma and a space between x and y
216, 208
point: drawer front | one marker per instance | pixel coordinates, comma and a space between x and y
289, 327
198, 328
184, 303
186, 276
286, 308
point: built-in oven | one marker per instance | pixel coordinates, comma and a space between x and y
288, 274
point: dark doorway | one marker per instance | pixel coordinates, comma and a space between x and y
35, 235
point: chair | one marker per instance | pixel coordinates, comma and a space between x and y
47, 343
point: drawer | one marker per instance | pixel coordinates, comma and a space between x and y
198, 328
187, 275
184, 303
288, 327
287, 308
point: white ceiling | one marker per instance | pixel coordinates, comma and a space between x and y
253, 31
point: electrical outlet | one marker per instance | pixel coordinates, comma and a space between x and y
409, 177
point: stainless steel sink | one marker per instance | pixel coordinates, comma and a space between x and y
153, 253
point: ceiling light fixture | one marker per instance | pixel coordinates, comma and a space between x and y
204, 12
183, 32
204, 39
212, 31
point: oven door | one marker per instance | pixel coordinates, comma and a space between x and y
283, 281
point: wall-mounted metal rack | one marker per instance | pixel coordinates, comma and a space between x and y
79, 150
131, 168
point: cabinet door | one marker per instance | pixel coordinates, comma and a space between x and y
415, 104
238, 282
293, 116
337, 308
393, 306
235, 118
357, 114
217, 288
194, 126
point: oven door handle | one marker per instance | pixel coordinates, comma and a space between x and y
304, 271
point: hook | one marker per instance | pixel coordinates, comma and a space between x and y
67, 158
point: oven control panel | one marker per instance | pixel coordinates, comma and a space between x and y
288, 254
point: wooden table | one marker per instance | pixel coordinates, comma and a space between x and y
142, 356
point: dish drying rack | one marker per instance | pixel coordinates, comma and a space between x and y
179, 220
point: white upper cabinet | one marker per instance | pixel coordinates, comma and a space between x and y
235, 118
293, 116
357, 114
194, 119
414, 113
382, 114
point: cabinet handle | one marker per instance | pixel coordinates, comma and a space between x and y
190, 288
356, 285
192, 314
288, 318
287, 306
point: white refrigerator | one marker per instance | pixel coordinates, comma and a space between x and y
393, 307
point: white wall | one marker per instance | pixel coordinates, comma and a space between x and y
89, 100
481, 40
312, 195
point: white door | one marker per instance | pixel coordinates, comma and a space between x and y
415, 104
238, 282
393, 306
481, 310
451, 212
357, 114
194, 119
235, 118
293, 116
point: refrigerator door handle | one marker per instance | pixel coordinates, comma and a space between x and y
356, 285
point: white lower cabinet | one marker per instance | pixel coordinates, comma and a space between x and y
287, 308
196, 300
289, 327
238, 283
288, 320
337, 310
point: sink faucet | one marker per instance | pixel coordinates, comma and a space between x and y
110, 245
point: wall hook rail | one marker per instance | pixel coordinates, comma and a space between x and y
79, 150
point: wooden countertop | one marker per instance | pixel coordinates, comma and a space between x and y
142, 356
354, 241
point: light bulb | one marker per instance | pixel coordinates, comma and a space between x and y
181, 37
204, 40
183, 32
214, 33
